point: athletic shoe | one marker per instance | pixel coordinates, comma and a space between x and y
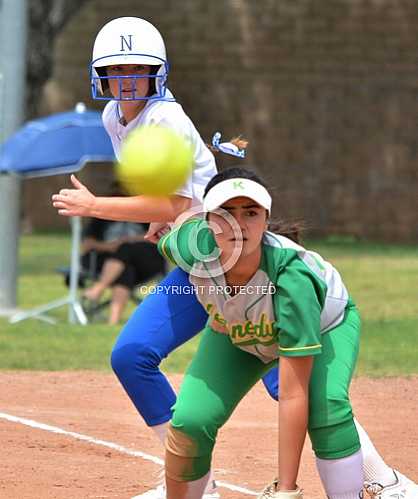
271, 491
211, 492
403, 488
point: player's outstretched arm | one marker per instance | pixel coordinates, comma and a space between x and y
79, 201
294, 373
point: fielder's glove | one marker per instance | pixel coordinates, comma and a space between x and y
272, 492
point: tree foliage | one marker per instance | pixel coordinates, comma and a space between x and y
46, 19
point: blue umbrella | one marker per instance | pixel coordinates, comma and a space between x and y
60, 143
56, 144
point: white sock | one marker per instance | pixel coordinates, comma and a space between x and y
342, 478
161, 431
375, 469
197, 488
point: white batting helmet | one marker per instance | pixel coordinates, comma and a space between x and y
128, 40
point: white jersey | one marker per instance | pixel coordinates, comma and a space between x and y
170, 115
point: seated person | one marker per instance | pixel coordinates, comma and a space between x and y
108, 244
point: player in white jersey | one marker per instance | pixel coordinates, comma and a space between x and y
169, 114
129, 68
268, 299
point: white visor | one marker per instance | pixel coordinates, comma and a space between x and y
234, 188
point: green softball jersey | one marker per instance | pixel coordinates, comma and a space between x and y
293, 298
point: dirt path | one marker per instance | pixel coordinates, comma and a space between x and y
37, 463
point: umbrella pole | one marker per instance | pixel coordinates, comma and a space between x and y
75, 310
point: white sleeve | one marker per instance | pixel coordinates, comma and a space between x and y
172, 116
181, 127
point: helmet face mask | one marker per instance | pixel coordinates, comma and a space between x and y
157, 77
129, 41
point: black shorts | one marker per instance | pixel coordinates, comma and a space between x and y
142, 262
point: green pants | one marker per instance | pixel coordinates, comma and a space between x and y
220, 375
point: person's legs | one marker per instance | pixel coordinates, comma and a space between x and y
208, 396
132, 263
331, 426
111, 270
92, 262
122, 289
271, 383
382, 480
120, 298
163, 321
337, 472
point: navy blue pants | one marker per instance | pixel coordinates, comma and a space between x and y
162, 322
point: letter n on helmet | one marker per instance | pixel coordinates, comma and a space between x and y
129, 40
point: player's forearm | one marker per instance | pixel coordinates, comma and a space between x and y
139, 208
292, 434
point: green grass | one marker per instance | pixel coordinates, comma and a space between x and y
383, 279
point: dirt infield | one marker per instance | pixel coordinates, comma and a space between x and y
38, 463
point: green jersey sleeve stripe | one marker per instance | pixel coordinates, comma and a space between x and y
162, 246
285, 349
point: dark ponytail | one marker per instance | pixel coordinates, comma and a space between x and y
291, 230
